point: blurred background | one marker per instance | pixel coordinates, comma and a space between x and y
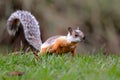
98, 19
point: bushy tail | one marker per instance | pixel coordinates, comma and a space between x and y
29, 25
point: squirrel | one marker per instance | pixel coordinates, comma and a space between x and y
31, 29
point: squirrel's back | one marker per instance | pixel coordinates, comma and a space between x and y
59, 44
29, 24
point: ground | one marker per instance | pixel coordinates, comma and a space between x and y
62, 67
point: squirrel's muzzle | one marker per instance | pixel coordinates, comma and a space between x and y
84, 38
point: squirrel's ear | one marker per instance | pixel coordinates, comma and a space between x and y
69, 29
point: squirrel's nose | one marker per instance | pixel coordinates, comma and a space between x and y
84, 38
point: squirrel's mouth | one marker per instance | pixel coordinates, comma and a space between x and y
76, 41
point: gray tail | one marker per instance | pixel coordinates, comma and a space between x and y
29, 24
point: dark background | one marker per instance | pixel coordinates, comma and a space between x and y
98, 19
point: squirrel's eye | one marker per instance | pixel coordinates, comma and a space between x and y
76, 35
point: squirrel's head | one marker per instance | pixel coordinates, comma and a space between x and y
75, 35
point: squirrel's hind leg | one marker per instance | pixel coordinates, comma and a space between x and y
43, 51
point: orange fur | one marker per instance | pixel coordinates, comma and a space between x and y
61, 46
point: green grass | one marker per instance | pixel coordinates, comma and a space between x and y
64, 67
